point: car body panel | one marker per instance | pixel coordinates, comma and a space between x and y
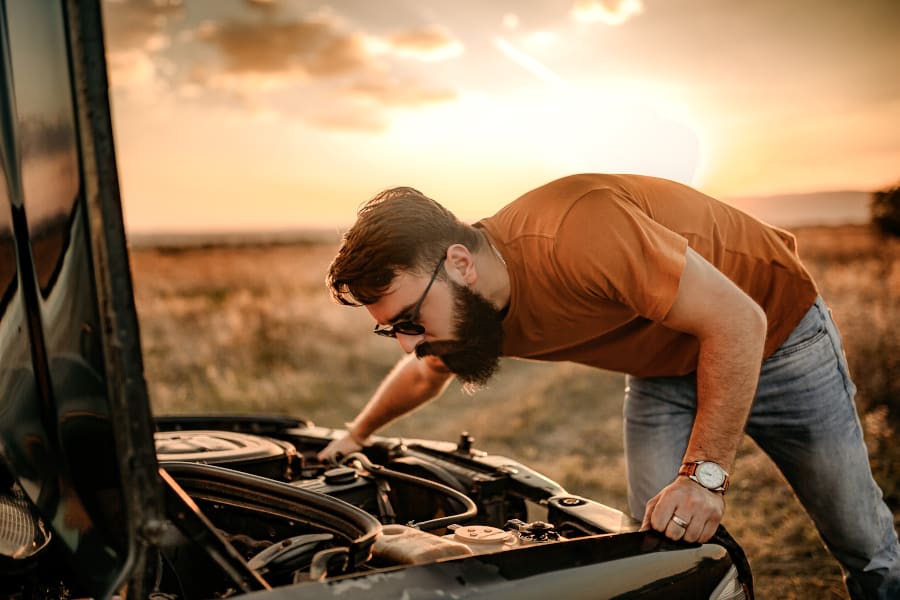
76, 424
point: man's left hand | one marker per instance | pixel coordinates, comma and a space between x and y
684, 510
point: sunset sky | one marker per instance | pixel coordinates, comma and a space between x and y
236, 115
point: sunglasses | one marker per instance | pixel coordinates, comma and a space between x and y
408, 326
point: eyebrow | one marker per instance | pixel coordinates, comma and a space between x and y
404, 312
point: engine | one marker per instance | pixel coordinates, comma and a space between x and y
294, 519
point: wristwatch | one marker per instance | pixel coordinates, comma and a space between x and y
707, 473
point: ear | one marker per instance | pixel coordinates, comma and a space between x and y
460, 265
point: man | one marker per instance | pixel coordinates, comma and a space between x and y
708, 311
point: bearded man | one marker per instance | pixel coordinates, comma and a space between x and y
717, 325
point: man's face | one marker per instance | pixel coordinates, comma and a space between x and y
474, 352
461, 327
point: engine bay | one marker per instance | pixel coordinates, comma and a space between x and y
294, 519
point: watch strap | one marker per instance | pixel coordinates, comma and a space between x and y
689, 470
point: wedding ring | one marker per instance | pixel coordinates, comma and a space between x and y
679, 521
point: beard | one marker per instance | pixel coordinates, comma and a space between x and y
474, 354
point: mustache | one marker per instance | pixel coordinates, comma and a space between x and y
439, 348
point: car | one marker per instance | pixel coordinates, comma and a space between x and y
100, 498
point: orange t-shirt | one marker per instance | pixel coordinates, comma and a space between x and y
595, 260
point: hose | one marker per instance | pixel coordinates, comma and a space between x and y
471, 509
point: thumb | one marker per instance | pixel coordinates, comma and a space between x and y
648, 510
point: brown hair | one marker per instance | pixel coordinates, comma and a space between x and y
399, 229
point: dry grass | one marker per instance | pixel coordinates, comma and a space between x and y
252, 329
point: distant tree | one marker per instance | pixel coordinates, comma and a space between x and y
885, 210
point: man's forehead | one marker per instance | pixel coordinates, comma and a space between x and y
402, 283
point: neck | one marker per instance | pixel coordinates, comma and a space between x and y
493, 280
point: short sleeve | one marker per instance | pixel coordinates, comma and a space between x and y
608, 247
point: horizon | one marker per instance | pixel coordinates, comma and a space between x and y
265, 114
847, 207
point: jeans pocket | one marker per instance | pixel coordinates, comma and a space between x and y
808, 331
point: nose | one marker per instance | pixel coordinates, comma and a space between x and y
409, 342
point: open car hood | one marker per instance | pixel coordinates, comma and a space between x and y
75, 426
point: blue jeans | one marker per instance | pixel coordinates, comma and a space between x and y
805, 419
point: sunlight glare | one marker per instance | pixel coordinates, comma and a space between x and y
564, 130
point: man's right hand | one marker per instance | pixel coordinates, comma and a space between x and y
409, 385
339, 448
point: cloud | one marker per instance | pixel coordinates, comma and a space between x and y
431, 43
131, 68
320, 46
388, 91
135, 35
315, 47
317, 68
609, 12
138, 23
345, 78
263, 5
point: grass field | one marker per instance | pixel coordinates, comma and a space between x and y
251, 328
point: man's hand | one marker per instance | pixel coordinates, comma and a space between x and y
339, 448
409, 385
700, 509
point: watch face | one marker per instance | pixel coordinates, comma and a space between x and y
710, 475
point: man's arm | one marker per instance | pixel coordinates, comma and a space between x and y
411, 383
731, 330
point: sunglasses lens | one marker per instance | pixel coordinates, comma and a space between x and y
402, 327
408, 328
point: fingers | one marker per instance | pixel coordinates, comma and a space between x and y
648, 513
684, 512
338, 448
676, 528
695, 530
708, 531
326, 456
